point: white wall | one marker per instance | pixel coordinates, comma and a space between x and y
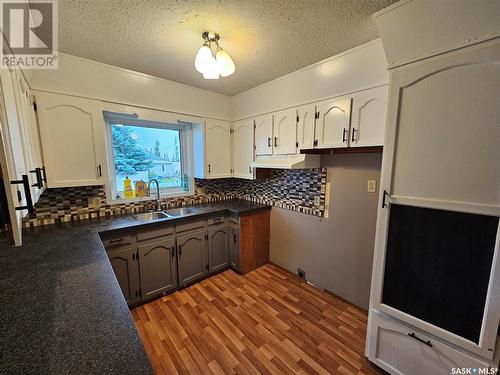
90, 79
356, 69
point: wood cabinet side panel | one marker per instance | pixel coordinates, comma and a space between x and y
247, 255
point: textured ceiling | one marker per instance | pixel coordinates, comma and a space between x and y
266, 39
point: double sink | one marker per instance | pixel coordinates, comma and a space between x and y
159, 215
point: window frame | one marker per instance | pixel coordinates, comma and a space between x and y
185, 149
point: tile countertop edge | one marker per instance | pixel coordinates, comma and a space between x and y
62, 307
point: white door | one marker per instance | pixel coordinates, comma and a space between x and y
12, 156
29, 133
442, 152
218, 148
369, 109
285, 132
264, 135
72, 135
306, 115
332, 127
243, 150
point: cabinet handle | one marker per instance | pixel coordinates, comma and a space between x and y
353, 137
27, 193
315, 142
44, 174
344, 133
100, 170
413, 335
268, 141
249, 169
275, 142
38, 174
208, 167
234, 237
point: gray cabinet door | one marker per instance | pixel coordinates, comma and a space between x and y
218, 252
234, 248
126, 268
193, 264
158, 268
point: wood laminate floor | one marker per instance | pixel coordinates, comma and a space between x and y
266, 322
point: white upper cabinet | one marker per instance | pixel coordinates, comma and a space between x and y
332, 127
285, 132
243, 149
264, 135
369, 109
71, 131
306, 116
218, 149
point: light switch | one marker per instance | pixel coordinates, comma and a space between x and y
372, 186
317, 200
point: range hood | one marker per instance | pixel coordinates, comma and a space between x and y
301, 161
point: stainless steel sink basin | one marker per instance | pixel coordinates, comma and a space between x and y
181, 211
151, 216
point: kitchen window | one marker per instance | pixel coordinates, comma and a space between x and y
142, 150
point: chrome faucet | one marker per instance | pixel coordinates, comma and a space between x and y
157, 192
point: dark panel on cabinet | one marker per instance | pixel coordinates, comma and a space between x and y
438, 266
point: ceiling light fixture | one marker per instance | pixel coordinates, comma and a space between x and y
211, 60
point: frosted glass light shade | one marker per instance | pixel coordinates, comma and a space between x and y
211, 70
203, 58
225, 63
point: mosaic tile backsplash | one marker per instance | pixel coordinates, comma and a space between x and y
290, 189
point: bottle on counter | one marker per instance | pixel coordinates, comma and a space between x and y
127, 188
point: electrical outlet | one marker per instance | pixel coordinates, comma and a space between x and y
372, 186
317, 200
94, 202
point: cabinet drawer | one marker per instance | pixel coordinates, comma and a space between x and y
400, 349
233, 219
216, 220
116, 240
188, 225
155, 231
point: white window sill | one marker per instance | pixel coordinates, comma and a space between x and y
151, 198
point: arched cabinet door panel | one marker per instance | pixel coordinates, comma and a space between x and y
218, 148
193, 263
72, 138
127, 273
285, 132
448, 135
332, 127
264, 135
218, 249
369, 109
242, 149
305, 126
158, 268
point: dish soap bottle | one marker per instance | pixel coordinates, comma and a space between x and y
127, 188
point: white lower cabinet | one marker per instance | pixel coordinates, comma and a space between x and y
243, 149
400, 349
72, 137
369, 108
332, 124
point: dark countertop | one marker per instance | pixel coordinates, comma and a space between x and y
62, 310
